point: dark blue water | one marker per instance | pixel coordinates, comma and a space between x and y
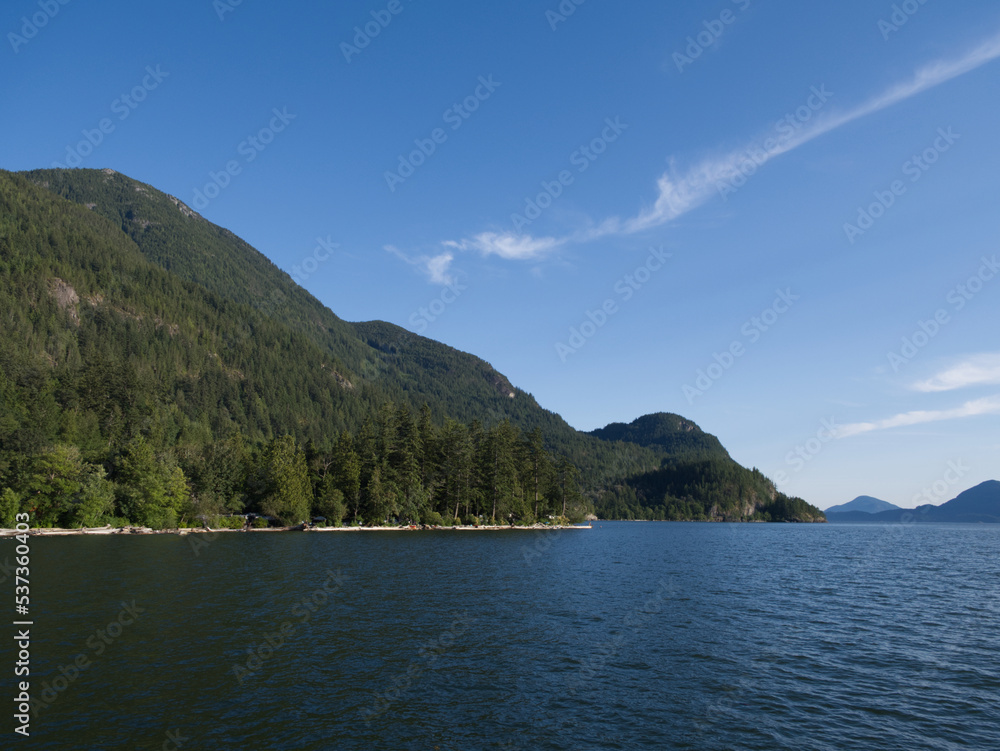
626, 636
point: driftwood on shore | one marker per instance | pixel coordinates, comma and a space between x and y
109, 530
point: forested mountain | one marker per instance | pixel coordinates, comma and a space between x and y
677, 436
153, 366
696, 480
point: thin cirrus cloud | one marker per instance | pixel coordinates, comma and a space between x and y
681, 192
437, 268
976, 408
981, 370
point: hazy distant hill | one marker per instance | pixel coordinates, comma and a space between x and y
978, 504
865, 504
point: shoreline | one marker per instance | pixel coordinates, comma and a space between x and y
105, 531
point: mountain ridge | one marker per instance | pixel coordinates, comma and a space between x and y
864, 504
221, 338
978, 504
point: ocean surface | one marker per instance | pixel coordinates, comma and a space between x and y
625, 636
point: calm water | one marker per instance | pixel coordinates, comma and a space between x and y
627, 636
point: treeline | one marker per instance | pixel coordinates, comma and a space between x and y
398, 469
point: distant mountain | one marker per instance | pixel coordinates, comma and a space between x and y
865, 504
976, 505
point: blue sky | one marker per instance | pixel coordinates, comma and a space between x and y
733, 210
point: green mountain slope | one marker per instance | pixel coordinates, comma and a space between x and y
697, 479
677, 436
370, 363
125, 315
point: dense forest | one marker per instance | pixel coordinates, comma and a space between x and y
399, 469
154, 368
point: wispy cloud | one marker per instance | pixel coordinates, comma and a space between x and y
981, 370
679, 194
437, 268
682, 190
987, 406
507, 245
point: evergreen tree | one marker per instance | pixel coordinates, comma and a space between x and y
288, 493
345, 472
10, 505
